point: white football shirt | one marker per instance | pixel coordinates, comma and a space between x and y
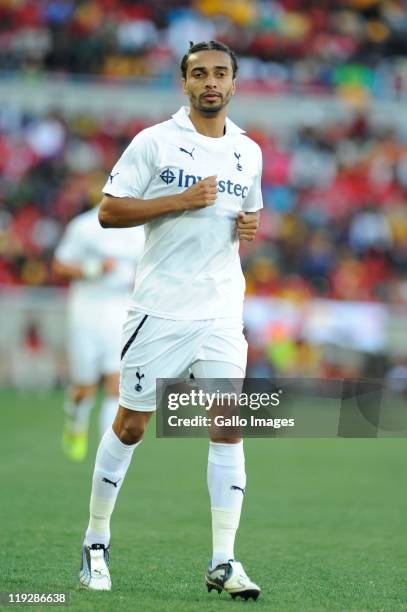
85, 240
190, 267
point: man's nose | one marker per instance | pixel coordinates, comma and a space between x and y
211, 82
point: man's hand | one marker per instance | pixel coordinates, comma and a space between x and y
247, 225
201, 194
108, 265
89, 268
93, 269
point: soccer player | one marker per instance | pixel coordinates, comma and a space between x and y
194, 181
101, 268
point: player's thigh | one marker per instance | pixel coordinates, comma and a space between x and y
83, 355
224, 344
223, 381
154, 348
218, 376
216, 369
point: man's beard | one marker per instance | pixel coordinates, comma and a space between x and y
209, 111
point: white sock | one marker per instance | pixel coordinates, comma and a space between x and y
107, 412
226, 484
77, 414
112, 461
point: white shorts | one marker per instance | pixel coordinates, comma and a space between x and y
163, 348
94, 343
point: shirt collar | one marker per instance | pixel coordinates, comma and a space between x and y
182, 119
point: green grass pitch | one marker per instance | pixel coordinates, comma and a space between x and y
323, 524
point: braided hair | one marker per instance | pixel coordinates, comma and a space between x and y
212, 45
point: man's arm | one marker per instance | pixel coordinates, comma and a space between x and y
87, 270
247, 225
129, 212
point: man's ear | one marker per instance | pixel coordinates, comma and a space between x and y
233, 87
184, 85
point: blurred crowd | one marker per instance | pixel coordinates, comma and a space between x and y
335, 218
355, 47
334, 223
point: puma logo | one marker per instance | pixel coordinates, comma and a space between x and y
237, 488
188, 152
111, 482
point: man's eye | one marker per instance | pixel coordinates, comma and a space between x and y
221, 74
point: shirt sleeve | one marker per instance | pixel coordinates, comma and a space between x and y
71, 248
132, 174
254, 199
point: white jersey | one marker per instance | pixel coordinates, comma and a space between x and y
190, 268
85, 240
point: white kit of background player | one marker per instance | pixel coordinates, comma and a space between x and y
186, 310
101, 266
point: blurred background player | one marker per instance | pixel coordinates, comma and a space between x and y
101, 267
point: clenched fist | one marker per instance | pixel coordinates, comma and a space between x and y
247, 225
201, 194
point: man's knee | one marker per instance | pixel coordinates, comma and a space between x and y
131, 432
81, 392
130, 426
